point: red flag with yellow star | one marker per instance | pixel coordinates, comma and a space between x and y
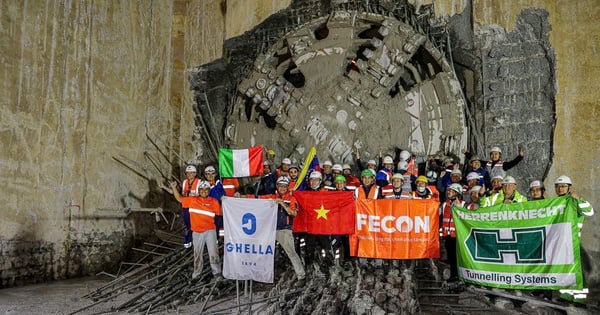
325, 212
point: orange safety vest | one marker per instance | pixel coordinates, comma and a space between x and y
190, 189
230, 185
388, 193
202, 212
288, 199
413, 168
359, 193
448, 228
435, 194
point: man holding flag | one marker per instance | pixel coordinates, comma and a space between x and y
286, 211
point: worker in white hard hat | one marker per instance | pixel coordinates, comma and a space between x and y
351, 181
314, 242
448, 230
327, 172
394, 190
372, 164
475, 166
562, 187
336, 170
474, 192
203, 209
189, 188
283, 168
472, 180
495, 166
412, 164
508, 194
536, 190
384, 175
287, 210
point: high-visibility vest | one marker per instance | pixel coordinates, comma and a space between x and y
448, 228
202, 212
433, 193
190, 188
359, 193
495, 169
413, 168
284, 220
230, 185
389, 193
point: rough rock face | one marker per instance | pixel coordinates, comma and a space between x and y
350, 80
509, 79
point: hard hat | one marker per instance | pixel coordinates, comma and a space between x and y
337, 167
339, 178
402, 165
294, 166
388, 160
563, 179
536, 183
372, 162
209, 170
190, 168
509, 180
500, 177
448, 160
367, 172
456, 187
398, 176
327, 163
203, 184
476, 188
496, 149
283, 180
346, 167
316, 174
422, 179
455, 171
266, 163
404, 155
286, 161
473, 175
474, 158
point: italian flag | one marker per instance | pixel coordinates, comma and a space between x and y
241, 163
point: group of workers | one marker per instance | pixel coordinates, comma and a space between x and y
476, 183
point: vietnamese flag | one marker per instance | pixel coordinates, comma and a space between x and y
325, 212
241, 163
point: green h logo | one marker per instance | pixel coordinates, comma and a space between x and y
527, 245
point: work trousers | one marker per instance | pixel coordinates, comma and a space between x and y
187, 231
210, 239
286, 240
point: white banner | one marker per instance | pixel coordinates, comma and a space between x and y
250, 226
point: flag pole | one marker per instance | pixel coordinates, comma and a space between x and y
311, 154
237, 293
250, 306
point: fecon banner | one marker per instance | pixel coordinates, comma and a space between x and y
520, 246
396, 229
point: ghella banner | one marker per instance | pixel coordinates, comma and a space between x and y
522, 245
